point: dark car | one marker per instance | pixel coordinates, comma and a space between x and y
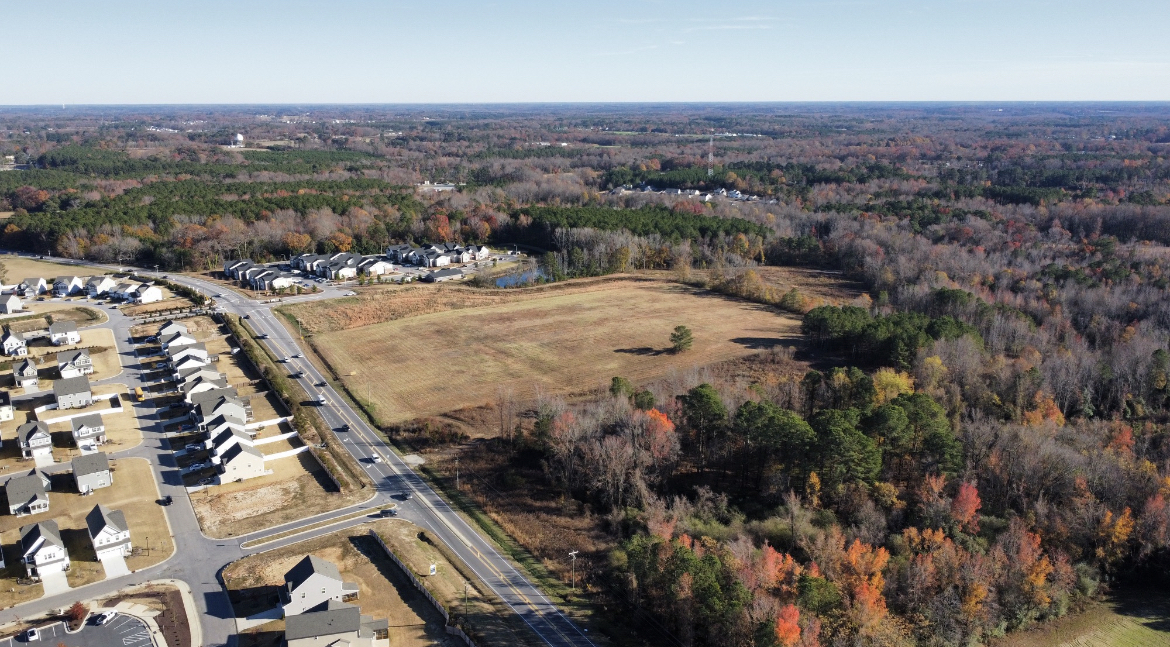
389, 512
167, 500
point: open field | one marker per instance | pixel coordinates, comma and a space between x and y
1128, 619
383, 591
134, 492
20, 268
297, 488
563, 341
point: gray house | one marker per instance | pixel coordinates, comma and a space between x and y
28, 494
312, 582
109, 532
25, 373
73, 392
336, 623
92, 472
42, 550
89, 428
72, 363
439, 276
34, 439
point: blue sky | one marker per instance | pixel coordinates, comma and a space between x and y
388, 51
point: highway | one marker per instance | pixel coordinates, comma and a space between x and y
392, 476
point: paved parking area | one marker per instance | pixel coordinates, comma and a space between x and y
123, 631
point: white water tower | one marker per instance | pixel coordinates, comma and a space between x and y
238, 141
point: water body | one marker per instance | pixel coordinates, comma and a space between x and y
526, 277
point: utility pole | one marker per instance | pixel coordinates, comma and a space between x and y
573, 554
711, 155
456, 472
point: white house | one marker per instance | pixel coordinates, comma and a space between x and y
64, 286
240, 462
32, 287
11, 305
7, 411
92, 472
148, 294
336, 624
73, 363
169, 328
14, 344
34, 439
176, 340
375, 267
479, 252
109, 532
42, 550
312, 582
25, 373
98, 286
89, 429
63, 333
28, 494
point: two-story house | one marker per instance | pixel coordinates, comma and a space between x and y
25, 373
42, 550
28, 494
92, 472
89, 429
109, 532
64, 286
63, 333
10, 304
100, 286
72, 392
14, 344
74, 363
34, 439
33, 287
241, 462
336, 624
312, 582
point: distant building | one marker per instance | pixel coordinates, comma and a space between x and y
11, 305
443, 275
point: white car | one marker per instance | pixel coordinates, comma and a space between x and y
377, 458
298, 356
32, 635
106, 617
351, 293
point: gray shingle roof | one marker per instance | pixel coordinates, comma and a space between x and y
62, 327
90, 464
47, 529
101, 516
22, 489
30, 429
70, 385
307, 567
90, 420
335, 618
240, 448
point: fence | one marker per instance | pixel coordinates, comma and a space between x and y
451, 629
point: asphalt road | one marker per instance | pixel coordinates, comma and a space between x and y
199, 559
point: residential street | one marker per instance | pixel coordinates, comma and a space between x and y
198, 559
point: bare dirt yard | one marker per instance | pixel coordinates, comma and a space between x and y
383, 591
134, 492
562, 341
297, 488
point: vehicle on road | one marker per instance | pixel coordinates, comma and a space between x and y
167, 500
219, 296
298, 375
376, 459
298, 356
344, 427
245, 316
388, 512
33, 634
105, 617
321, 401
407, 495
262, 336
320, 384
138, 393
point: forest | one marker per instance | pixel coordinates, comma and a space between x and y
976, 445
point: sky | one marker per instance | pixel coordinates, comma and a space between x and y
408, 51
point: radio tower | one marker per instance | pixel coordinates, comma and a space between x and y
711, 155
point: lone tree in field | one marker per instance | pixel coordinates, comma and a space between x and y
681, 339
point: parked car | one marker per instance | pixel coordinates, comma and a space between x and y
193, 446
105, 617
198, 466
407, 495
32, 634
351, 293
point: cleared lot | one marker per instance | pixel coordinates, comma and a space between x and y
565, 341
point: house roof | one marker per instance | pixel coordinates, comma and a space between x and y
61, 327
27, 367
34, 280
307, 567
13, 335
177, 335
101, 517
186, 348
91, 464
21, 489
66, 279
30, 429
223, 436
334, 618
5, 399
98, 280
240, 448
71, 356
90, 420
71, 385
47, 529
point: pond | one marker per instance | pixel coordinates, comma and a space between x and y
526, 277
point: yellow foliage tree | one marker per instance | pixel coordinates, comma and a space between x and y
889, 384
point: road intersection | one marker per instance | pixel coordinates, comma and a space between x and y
198, 560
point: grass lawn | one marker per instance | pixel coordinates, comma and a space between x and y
297, 488
1130, 618
134, 493
562, 341
383, 591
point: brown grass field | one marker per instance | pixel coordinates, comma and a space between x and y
1137, 618
562, 341
134, 492
384, 592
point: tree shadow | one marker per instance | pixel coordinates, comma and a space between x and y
644, 351
758, 343
1151, 605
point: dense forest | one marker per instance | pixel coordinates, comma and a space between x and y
979, 443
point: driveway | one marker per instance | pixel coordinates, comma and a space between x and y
115, 566
55, 582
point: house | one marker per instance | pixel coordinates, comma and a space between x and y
312, 582
124, 291
273, 280
33, 287
176, 353
109, 532
210, 404
92, 472
89, 429
98, 286
439, 276
224, 440
64, 286
188, 374
25, 373
240, 462
72, 363
147, 294
201, 384
374, 266
72, 392
169, 328
14, 344
308, 262
7, 411
176, 339
11, 305
63, 333
34, 439
188, 363
28, 494
479, 252
42, 550
335, 624
231, 268
434, 258
221, 423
